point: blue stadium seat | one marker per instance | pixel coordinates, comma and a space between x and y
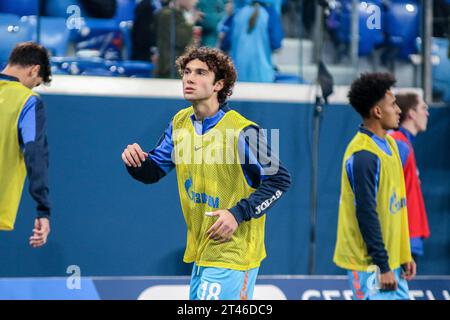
80, 66
58, 8
125, 10
55, 35
339, 23
288, 78
134, 69
20, 7
401, 24
12, 31
103, 35
96, 66
125, 27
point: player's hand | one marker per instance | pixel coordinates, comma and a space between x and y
388, 281
40, 232
133, 156
409, 270
224, 227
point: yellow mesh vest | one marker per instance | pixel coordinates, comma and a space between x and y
205, 186
13, 97
351, 251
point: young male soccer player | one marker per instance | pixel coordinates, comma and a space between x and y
373, 219
23, 140
223, 202
413, 119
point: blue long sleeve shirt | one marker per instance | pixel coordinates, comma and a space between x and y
268, 186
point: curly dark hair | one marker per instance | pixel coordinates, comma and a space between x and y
27, 54
218, 62
368, 89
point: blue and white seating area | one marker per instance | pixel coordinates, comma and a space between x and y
86, 46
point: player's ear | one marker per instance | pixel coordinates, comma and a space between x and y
376, 111
34, 70
412, 113
219, 85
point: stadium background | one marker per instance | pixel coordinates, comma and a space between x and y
111, 226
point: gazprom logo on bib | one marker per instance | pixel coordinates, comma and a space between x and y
395, 204
197, 197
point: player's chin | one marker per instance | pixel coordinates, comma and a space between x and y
189, 97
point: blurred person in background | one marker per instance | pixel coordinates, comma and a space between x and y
143, 35
214, 11
174, 33
413, 120
251, 35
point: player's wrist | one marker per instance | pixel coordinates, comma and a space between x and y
384, 268
43, 214
237, 214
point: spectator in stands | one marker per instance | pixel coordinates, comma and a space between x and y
143, 37
441, 18
413, 119
238, 4
174, 33
214, 11
254, 32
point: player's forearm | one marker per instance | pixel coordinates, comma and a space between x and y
148, 173
370, 228
36, 162
266, 195
363, 177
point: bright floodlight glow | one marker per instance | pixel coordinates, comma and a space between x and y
410, 7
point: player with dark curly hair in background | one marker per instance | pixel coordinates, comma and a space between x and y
373, 238
224, 197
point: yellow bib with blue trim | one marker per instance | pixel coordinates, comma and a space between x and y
351, 251
210, 177
13, 96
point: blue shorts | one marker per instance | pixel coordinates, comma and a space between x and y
365, 286
211, 283
417, 246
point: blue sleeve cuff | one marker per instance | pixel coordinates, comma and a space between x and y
43, 214
238, 214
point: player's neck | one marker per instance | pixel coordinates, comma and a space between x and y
411, 127
375, 127
12, 72
205, 109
